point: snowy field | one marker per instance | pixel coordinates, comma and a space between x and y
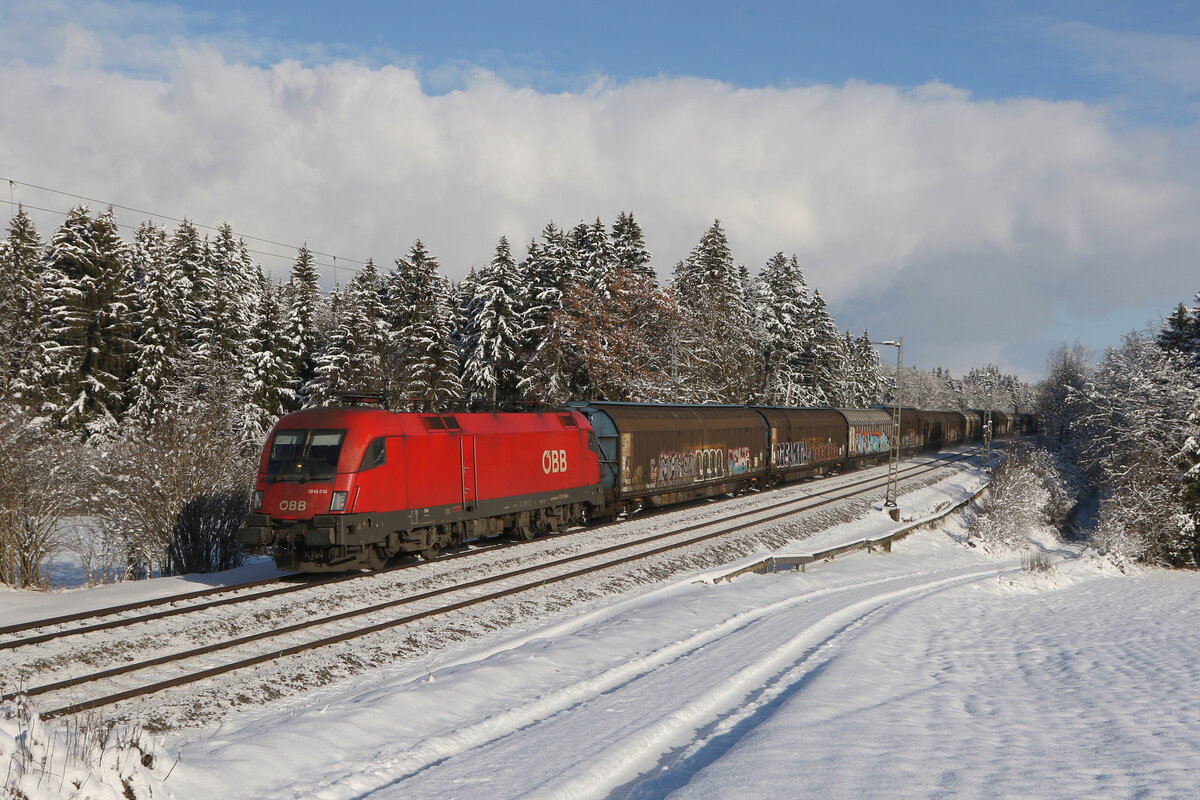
938, 670
935, 671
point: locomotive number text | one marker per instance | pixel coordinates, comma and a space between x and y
554, 461
293, 505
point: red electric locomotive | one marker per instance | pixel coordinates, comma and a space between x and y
344, 488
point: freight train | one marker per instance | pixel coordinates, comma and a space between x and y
347, 488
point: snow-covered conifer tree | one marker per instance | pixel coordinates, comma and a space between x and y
269, 374
493, 333
827, 356
301, 330
546, 275
423, 358
594, 253
715, 344
20, 296
192, 275
156, 322
87, 343
782, 308
629, 247
234, 301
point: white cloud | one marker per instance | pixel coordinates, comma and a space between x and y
902, 203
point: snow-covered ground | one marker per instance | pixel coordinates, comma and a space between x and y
934, 671
938, 670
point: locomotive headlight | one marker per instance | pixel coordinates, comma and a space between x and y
338, 501
256, 505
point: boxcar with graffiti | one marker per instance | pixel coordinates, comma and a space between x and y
869, 431
804, 441
662, 454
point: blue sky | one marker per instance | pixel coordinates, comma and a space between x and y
987, 179
995, 48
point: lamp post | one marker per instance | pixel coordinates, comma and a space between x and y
893, 484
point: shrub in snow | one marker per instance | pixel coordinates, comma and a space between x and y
172, 490
1027, 492
36, 492
77, 759
204, 538
1039, 562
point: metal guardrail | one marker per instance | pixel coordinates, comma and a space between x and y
882, 543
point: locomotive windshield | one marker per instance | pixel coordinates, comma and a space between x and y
304, 455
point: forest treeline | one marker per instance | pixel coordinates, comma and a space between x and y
141, 377
1131, 423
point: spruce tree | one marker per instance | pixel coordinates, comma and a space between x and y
493, 333
20, 297
233, 301
550, 368
190, 269
353, 354
827, 357
156, 322
717, 337
269, 374
301, 333
783, 309
87, 343
629, 247
593, 254
423, 361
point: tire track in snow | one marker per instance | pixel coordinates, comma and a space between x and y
623, 761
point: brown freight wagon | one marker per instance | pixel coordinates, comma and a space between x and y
1002, 423
804, 441
974, 421
931, 427
954, 427
912, 429
869, 433
663, 454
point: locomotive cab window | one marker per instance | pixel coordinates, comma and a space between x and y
375, 456
304, 455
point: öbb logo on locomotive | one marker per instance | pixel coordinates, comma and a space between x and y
554, 461
293, 505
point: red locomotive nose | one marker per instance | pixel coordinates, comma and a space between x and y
296, 500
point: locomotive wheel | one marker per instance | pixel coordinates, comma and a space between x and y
429, 553
522, 532
373, 560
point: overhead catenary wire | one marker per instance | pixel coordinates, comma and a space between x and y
335, 266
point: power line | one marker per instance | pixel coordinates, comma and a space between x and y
12, 183
283, 256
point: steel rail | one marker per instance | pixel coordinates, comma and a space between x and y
359, 632
120, 623
158, 601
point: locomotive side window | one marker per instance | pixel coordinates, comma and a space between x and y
304, 455
375, 456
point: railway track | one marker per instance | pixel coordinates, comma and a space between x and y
276, 643
289, 585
